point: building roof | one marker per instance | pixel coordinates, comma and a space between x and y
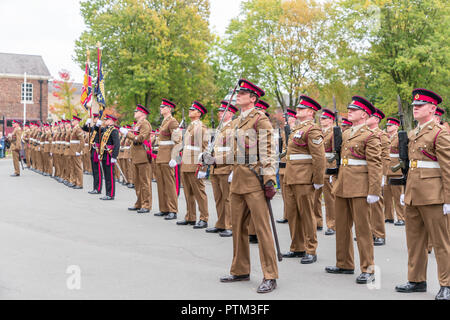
12, 64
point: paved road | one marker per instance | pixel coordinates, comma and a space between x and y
46, 227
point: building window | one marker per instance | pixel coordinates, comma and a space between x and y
27, 94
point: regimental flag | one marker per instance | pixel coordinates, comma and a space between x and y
100, 84
86, 93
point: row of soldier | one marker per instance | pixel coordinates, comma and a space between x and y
358, 193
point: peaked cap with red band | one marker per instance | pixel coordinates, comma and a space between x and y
379, 114
128, 126
439, 112
223, 107
346, 122
95, 115
327, 113
291, 113
308, 102
261, 104
110, 116
362, 104
245, 85
76, 118
16, 121
424, 96
392, 121
168, 103
199, 107
141, 108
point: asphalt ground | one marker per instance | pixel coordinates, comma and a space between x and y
60, 243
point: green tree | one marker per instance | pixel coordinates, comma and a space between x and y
392, 47
64, 92
152, 49
277, 44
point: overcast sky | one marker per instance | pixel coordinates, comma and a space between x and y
50, 27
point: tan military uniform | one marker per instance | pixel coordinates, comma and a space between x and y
16, 146
359, 175
305, 148
392, 193
427, 189
377, 208
48, 168
220, 172
165, 175
27, 146
67, 164
195, 142
87, 166
247, 197
141, 165
281, 171
76, 146
327, 185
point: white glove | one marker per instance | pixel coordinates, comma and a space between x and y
201, 175
298, 135
331, 179
383, 181
446, 208
51, 154
318, 186
88, 121
372, 199
77, 154
113, 160
402, 200
124, 131
172, 163
230, 177
99, 123
200, 156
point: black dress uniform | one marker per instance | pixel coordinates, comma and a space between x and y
109, 150
94, 146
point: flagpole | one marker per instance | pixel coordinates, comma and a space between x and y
99, 56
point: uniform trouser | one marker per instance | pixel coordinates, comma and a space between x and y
221, 190
108, 171
392, 200
251, 227
154, 170
87, 162
194, 190
167, 189
143, 186
130, 171
317, 207
49, 168
283, 194
377, 219
97, 173
56, 164
329, 204
124, 170
33, 158
349, 210
39, 160
16, 157
28, 156
77, 171
302, 223
246, 207
422, 221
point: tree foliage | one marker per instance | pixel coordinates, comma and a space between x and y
152, 49
65, 107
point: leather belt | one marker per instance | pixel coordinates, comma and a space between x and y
300, 157
167, 143
394, 155
194, 148
353, 162
424, 164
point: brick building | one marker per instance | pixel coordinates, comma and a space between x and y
13, 92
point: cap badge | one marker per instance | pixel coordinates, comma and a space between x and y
417, 97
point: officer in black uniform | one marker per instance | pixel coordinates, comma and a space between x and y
94, 146
108, 153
